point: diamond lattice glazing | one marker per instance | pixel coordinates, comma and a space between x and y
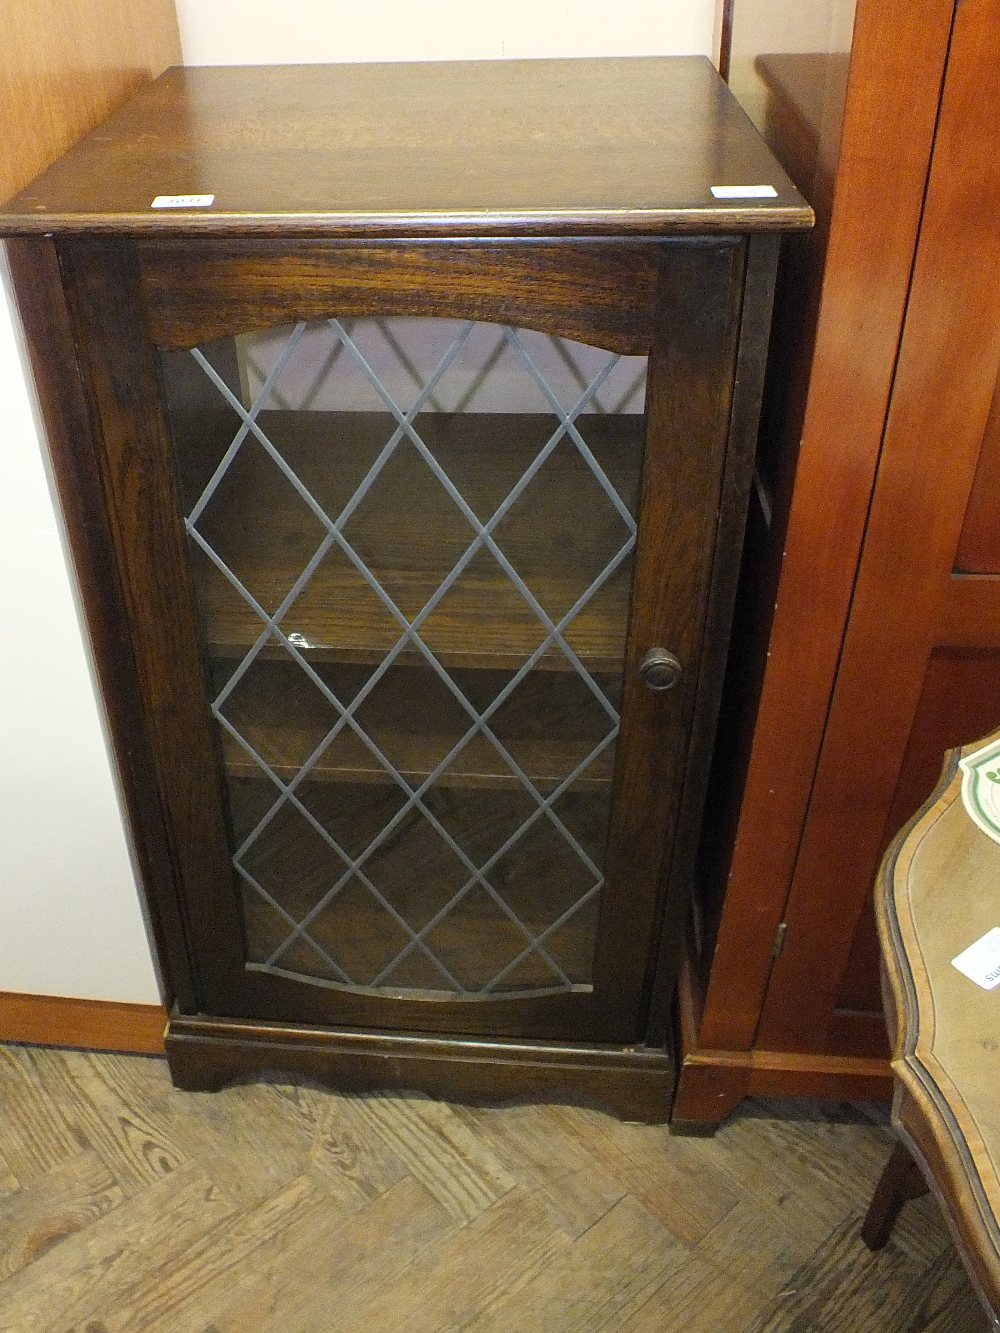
480, 848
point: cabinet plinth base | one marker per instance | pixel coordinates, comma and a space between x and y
633, 1082
711, 1084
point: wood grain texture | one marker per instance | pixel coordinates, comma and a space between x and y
56, 1020
979, 544
933, 900
606, 147
958, 697
551, 728
942, 395
707, 359
711, 1082
56, 1205
101, 1264
453, 1165
569, 290
697, 820
526, 1217
64, 68
133, 1136
633, 1081
691, 393
498, 1252
362, 1251
839, 421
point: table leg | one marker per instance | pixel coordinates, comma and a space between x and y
901, 1180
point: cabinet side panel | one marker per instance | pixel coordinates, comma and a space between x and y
64, 67
704, 811
788, 67
958, 704
132, 456
42, 307
873, 227
908, 603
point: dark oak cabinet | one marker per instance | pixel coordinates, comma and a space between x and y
404, 425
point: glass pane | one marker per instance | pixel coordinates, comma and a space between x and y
411, 543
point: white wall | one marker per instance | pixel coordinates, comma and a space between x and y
227, 32
69, 916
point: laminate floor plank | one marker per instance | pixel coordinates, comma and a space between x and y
130, 1134
794, 1167
127, 1206
342, 1146
34, 1134
577, 1189
369, 1252
458, 1167
115, 1254
950, 1305
241, 1257
674, 1186
8, 1181
621, 1259
845, 1287
918, 1231
504, 1248
52, 1207
717, 1284
254, 1146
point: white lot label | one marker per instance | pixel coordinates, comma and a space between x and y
183, 201
980, 962
744, 192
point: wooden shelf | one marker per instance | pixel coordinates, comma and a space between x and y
549, 725
559, 535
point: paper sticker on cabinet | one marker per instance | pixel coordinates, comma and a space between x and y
744, 192
183, 201
980, 962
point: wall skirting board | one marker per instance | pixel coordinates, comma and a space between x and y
94, 1025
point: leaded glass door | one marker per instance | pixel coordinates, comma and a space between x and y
411, 549
418, 550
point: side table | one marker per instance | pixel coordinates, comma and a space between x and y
937, 894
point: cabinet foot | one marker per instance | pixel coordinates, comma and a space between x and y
706, 1095
711, 1084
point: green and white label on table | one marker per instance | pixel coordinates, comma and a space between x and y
981, 788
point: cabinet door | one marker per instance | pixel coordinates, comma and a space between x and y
397, 525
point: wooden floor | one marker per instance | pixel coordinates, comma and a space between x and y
125, 1205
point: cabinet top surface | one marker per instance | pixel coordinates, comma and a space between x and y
609, 147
